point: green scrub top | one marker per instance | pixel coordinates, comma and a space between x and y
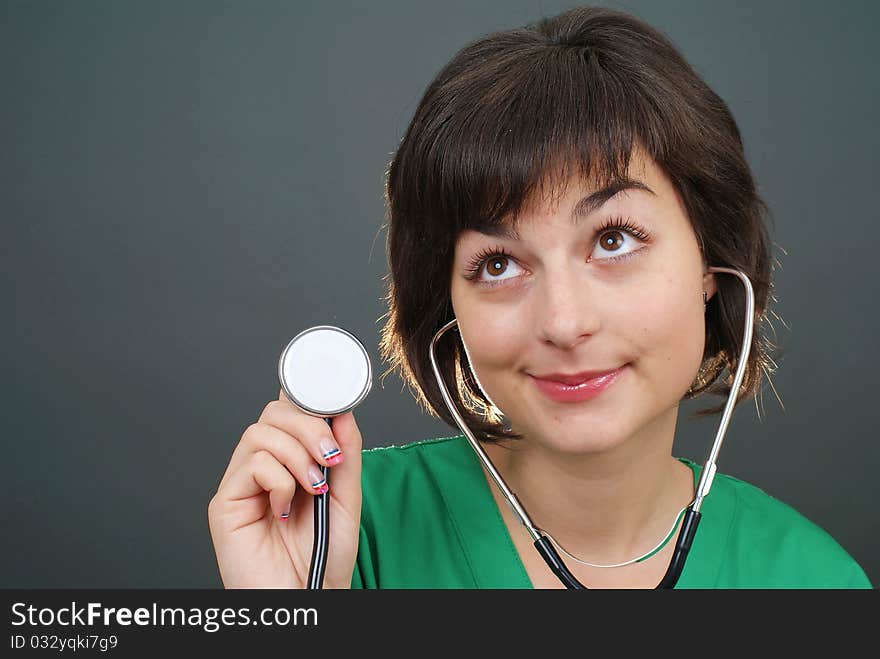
429, 520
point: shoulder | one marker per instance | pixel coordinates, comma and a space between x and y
766, 516
416, 498
768, 538
419, 469
410, 451
407, 460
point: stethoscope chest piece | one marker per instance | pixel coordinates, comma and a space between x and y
325, 371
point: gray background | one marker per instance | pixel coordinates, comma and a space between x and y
186, 185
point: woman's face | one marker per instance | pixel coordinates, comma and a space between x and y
570, 297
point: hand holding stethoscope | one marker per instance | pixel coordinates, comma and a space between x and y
269, 519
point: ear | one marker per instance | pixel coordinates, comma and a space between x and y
709, 285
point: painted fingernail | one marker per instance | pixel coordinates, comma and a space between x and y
319, 483
284, 516
331, 453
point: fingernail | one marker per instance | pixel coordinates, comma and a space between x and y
319, 483
331, 453
284, 516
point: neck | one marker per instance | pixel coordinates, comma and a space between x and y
605, 507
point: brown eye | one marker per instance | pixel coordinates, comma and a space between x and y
611, 240
496, 265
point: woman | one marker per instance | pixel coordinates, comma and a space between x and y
562, 191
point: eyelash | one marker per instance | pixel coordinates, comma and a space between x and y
476, 263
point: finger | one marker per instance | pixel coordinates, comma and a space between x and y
285, 449
345, 478
314, 433
262, 473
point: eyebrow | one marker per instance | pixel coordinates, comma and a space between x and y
582, 209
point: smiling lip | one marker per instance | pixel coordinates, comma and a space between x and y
574, 378
590, 386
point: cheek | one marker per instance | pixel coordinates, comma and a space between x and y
668, 333
494, 339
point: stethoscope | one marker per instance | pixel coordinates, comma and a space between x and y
315, 357
325, 371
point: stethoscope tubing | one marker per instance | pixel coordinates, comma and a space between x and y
321, 543
692, 515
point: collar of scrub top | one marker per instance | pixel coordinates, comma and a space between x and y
692, 513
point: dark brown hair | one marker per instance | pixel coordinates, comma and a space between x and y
520, 107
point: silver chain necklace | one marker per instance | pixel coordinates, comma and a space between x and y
637, 559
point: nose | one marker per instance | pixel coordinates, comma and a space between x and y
568, 308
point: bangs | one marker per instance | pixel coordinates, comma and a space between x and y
523, 125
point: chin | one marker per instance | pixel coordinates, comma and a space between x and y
579, 437
588, 442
